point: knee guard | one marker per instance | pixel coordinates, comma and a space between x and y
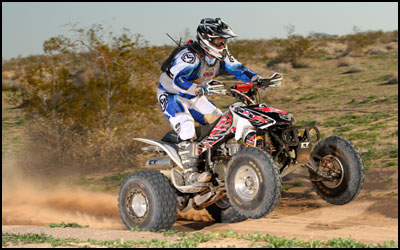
183, 125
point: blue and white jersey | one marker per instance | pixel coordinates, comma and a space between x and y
188, 70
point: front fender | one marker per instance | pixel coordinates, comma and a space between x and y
167, 147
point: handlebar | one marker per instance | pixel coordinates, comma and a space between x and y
245, 91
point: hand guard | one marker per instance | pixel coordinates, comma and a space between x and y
215, 87
273, 81
277, 79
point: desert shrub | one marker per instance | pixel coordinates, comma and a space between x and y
301, 80
360, 40
350, 62
293, 50
340, 48
389, 37
346, 61
394, 79
332, 48
355, 68
376, 50
392, 46
10, 85
249, 51
92, 94
282, 67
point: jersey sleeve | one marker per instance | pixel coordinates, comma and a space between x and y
238, 70
181, 70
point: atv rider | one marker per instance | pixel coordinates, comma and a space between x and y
181, 91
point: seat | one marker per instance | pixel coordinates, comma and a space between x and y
201, 133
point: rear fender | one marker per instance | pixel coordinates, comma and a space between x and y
168, 148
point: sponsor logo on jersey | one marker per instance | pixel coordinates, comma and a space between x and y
189, 57
163, 100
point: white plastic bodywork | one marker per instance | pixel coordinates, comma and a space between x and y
171, 152
243, 125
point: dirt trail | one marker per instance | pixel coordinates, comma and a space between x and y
301, 213
371, 218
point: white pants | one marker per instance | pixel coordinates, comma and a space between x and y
182, 112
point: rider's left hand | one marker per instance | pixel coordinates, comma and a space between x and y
257, 80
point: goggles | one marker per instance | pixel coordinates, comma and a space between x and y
219, 43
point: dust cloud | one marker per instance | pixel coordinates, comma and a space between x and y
35, 201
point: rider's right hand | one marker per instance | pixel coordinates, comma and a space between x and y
201, 90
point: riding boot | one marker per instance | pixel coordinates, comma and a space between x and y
188, 151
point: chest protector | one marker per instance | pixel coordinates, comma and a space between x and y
207, 72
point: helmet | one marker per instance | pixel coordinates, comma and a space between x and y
212, 34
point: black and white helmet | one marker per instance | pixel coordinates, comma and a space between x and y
212, 34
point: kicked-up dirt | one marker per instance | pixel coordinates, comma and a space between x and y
371, 218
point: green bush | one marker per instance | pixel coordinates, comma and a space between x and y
90, 93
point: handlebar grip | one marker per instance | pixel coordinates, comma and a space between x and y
273, 80
264, 82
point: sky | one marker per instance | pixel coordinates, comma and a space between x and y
25, 26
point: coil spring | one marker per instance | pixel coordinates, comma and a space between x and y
268, 143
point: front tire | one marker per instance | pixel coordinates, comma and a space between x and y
148, 201
253, 183
340, 155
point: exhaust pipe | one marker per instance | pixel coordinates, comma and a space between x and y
158, 163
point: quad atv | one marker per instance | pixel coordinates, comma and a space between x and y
241, 150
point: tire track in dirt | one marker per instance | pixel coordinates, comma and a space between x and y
371, 218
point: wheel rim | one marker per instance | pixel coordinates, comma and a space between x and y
331, 165
246, 183
137, 204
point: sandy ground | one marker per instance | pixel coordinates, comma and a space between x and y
300, 213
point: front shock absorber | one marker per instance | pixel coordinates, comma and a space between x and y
268, 145
260, 142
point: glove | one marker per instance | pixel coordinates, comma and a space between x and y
256, 78
201, 90
257, 81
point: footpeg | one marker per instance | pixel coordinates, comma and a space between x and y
200, 199
196, 177
179, 183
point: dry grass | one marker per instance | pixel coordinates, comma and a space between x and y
394, 79
283, 67
313, 93
354, 69
376, 50
303, 63
339, 47
301, 80
392, 46
12, 85
346, 61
